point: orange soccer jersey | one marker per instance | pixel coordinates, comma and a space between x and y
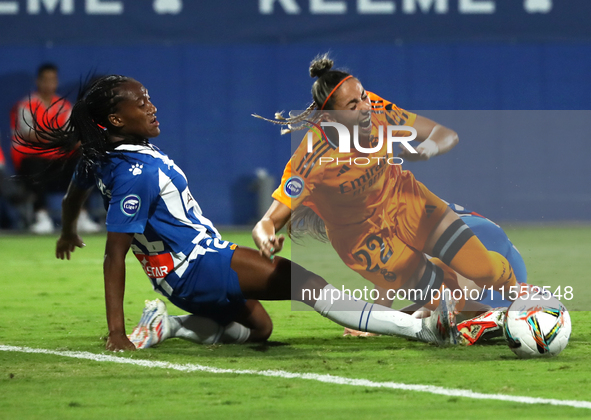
377, 216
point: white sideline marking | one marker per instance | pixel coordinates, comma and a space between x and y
431, 389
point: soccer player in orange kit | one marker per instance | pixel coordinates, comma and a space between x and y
379, 218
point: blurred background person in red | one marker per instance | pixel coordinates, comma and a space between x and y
43, 173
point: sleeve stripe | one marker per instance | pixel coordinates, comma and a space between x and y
307, 155
311, 162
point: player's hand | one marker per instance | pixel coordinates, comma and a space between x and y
119, 342
355, 333
411, 157
426, 150
271, 245
66, 244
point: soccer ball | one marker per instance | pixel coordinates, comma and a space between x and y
537, 326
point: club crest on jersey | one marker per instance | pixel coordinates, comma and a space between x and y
130, 205
294, 186
136, 169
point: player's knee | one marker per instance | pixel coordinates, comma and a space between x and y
263, 331
483, 274
267, 330
482, 277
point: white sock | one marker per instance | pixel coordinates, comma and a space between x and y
202, 330
365, 316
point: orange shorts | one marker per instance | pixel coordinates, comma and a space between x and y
387, 248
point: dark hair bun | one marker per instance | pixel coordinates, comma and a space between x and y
320, 65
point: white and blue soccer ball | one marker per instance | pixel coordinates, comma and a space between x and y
537, 327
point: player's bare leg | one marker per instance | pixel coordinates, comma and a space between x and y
255, 317
251, 324
281, 279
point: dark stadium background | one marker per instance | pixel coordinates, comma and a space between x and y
209, 65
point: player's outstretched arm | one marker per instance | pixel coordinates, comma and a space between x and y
264, 231
435, 140
71, 205
114, 271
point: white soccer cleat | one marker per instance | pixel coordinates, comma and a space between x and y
154, 326
440, 327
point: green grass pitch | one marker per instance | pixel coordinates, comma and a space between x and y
59, 305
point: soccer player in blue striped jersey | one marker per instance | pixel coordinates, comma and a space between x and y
151, 211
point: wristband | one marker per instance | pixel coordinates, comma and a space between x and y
428, 148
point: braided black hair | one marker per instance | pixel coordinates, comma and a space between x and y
88, 126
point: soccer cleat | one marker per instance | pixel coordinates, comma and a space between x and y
440, 327
483, 327
154, 326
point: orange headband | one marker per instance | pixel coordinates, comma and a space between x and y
333, 91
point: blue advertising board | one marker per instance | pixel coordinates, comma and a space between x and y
209, 65
282, 21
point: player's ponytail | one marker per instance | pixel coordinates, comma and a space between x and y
50, 138
87, 128
295, 121
304, 221
326, 84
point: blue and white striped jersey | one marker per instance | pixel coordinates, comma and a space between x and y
148, 195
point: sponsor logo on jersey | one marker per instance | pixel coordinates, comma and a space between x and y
156, 266
130, 205
294, 186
